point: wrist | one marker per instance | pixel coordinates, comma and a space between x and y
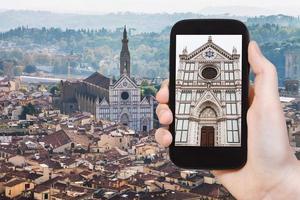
288, 186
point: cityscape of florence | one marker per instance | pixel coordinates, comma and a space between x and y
78, 104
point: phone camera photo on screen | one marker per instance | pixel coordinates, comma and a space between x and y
208, 90
209, 93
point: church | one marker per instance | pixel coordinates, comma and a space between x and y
115, 100
208, 97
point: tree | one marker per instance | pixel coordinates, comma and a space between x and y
29, 109
148, 91
30, 69
144, 83
54, 90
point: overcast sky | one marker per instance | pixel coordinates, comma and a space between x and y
150, 6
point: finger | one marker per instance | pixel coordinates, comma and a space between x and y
164, 114
218, 173
250, 94
163, 137
162, 95
265, 73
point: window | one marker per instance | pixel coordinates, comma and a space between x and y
184, 108
231, 109
191, 77
46, 196
187, 66
192, 66
124, 95
181, 130
218, 95
186, 96
186, 76
27, 186
209, 72
198, 94
231, 104
229, 74
233, 131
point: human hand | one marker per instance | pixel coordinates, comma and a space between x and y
272, 170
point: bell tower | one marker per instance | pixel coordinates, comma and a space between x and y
125, 55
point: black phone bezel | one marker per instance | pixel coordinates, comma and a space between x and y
193, 157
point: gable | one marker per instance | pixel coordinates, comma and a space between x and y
104, 102
207, 96
57, 139
217, 55
145, 101
98, 79
199, 52
125, 82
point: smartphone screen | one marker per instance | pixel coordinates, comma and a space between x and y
208, 90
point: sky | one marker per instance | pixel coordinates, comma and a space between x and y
192, 42
291, 7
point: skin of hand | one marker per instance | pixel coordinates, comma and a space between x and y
272, 171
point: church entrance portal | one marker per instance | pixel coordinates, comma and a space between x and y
125, 119
207, 136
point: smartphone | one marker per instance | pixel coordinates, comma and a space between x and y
209, 93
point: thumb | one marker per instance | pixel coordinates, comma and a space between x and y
265, 84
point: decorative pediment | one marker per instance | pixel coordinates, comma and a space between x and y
124, 82
209, 50
145, 101
104, 102
208, 99
125, 111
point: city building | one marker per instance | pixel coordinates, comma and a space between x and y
292, 67
292, 73
118, 100
124, 104
208, 97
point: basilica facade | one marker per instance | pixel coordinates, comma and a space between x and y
208, 97
115, 100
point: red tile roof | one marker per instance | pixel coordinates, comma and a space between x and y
56, 139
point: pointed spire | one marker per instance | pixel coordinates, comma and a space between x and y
184, 51
209, 38
234, 51
125, 71
97, 100
125, 33
124, 54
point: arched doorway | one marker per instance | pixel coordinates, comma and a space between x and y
144, 124
125, 119
207, 136
208, 121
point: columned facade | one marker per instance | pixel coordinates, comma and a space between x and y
208, 97
125, 104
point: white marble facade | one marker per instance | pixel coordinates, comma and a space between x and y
125, 104
208, 97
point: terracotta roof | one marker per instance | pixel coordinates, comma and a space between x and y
211, 190
52, 164
33, 176
56, 139
167, 168
14, 182
41, 188
98, 79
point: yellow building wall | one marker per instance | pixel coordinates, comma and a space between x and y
16, 190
